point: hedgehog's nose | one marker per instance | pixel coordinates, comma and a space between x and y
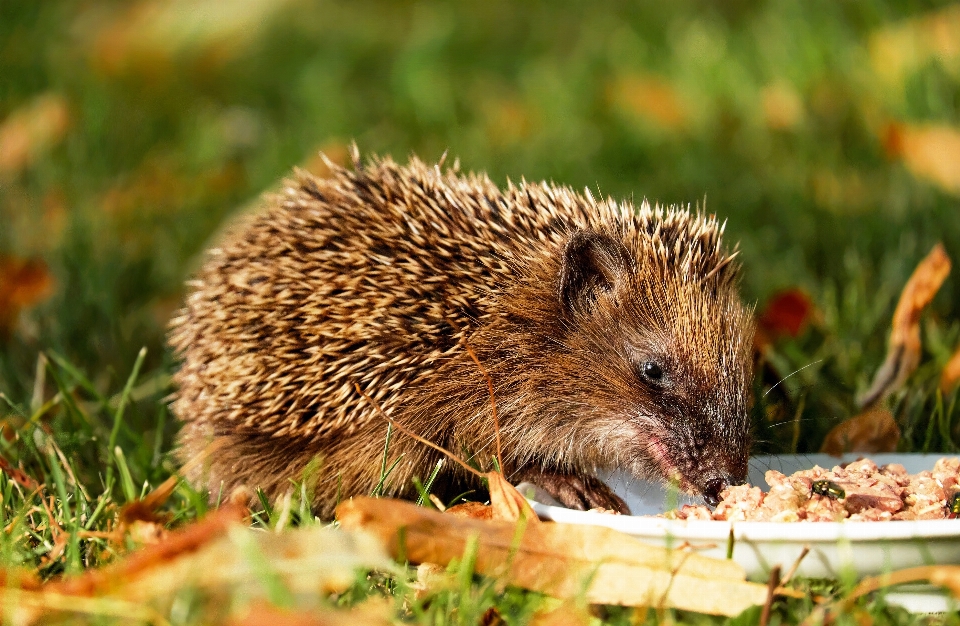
712, 490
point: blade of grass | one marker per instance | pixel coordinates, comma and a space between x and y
77, 376
126, 480
377, 491
121, 407
69, 521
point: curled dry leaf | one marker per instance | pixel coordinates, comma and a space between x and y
903, 350
559, 559
947, 576
874, 430
506, 502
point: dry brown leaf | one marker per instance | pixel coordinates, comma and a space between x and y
558, 559
951, 373
786, 314
930, 152
30, 130
17, 475
176, 545
23, 283
903, 348
144, 511
874, 430
506, 502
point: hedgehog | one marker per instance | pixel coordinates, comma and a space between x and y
613, 335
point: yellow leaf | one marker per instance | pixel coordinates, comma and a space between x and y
930, 152
30, 130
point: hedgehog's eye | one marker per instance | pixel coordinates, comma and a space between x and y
651, 372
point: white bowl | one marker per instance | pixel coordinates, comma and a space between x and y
837, 549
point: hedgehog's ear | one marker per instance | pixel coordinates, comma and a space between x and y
592, 264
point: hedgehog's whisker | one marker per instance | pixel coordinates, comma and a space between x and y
791, 374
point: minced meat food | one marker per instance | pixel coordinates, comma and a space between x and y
858, 491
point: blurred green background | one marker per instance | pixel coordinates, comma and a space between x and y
826, 131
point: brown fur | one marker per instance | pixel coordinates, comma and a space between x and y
377, 276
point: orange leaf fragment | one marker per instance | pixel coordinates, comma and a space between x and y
951, 373
473, 510
903, 350
650, 98
17, 475
23, 283
874, 430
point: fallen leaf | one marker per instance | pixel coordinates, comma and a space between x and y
786, 314
475, 510
17, 475
874, 430
506, 502
650, 98
903, 349
184, 541
559, 559
951, 373
23, 283
929, 151
30, 130
947, 576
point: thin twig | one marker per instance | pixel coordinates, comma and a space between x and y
771, 592
796, 564
493, 400
415, 436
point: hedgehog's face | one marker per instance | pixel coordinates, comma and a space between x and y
666, 362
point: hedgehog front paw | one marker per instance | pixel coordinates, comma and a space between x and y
580, 492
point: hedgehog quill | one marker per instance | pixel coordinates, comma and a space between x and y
614, 335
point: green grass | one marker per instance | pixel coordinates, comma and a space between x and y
165, 139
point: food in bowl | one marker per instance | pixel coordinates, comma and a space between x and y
857, 491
